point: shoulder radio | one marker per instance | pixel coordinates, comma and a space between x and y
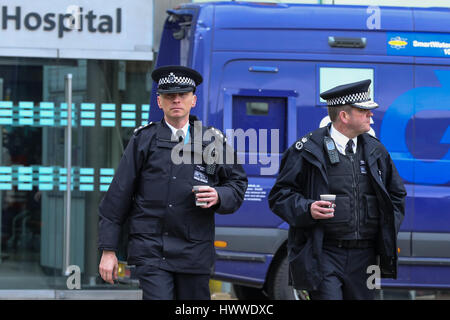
331, 150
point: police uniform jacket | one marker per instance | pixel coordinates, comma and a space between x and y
301, 180
166, 228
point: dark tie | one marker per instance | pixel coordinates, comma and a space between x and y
180, 135
349, 147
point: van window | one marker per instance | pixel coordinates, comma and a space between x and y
332, 77
257, 108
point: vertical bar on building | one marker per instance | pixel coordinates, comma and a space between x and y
1, 164
68, 142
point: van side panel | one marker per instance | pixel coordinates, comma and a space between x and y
263, 62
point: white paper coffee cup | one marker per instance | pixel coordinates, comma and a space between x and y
328, 197
199, 203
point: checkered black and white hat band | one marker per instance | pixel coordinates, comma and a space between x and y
351, 98
171, 78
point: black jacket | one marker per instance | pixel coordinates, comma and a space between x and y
166, 228
301, 180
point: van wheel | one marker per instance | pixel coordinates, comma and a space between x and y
248, 293
278, 287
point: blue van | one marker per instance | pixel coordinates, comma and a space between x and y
264, 66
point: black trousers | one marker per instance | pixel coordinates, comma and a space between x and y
345, 274
158, 284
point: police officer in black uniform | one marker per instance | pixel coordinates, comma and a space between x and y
171, 239
331, 247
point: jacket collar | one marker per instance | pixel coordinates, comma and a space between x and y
165, 133
314, 144
372, 150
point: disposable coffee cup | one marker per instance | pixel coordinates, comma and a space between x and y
328, 197
199, 203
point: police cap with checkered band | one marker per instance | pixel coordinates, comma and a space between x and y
173, 79
355, 94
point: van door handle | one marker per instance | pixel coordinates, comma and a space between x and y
344, 42
263, 69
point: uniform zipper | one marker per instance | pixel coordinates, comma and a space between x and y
356, 194
379, 176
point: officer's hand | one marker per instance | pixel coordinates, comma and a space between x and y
109, 266
209, 195
321, 210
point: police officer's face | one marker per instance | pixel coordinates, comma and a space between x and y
177, 105
359, 120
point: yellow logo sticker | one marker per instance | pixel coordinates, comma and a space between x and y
398, 43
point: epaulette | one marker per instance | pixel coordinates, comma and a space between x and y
137, 130
300, 142
218, 133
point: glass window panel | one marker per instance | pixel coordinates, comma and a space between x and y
33, 177
332, 77
257, 108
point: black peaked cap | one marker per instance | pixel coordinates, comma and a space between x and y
173, 79
356, 94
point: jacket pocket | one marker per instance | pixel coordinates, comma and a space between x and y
145, 226
141, 239
201, 226
304, 271
371, 210
151, 204
152, 190
342, 211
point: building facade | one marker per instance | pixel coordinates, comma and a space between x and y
109, 48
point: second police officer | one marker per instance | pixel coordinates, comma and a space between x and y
330, 249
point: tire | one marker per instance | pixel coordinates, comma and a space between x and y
278, 287
248, 293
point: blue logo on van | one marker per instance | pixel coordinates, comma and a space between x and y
396, 120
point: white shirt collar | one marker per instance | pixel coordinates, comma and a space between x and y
174, 130
341, 140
